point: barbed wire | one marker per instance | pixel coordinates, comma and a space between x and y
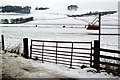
54, 18
13, 43
108, 45
111, 19
82, 20
13, 37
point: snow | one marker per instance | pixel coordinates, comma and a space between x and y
49, 27
16, 66
14, 35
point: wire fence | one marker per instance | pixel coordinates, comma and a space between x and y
13, 44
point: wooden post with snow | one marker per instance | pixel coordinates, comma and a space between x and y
3, 46
96, 55
25, 48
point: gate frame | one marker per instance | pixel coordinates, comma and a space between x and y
56, 42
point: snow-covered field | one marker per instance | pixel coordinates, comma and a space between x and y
50, 22
50, 27
15, 35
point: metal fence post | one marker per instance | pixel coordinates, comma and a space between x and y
25, 48
96, 55
3, 45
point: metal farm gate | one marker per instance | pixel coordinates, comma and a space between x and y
73, 54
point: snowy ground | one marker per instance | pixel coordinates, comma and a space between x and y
14, 66
49, 27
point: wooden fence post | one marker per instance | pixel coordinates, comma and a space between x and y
96, 55
25, 48
3, 46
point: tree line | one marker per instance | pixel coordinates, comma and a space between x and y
17, 20
16, 9
94, 13
41, 8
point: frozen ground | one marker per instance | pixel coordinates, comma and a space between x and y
14, 66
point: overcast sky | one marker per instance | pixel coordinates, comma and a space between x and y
8, 1
87, 4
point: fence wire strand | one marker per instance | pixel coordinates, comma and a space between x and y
13, 44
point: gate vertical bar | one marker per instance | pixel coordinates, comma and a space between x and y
71, 55
91, 56
42, 50
56, 51
31, 50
